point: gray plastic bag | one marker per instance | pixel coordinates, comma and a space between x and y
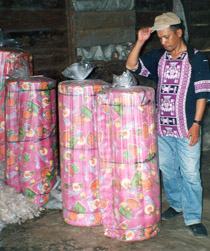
79, 71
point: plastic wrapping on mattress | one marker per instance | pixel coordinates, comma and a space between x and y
126, 80
105, 5
79, 71
129, 178
31, 144
9, 58
78, 151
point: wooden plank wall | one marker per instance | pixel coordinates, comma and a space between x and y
40, 26
51, 30
198, 19
104, 28
44, 28
147, 10
87, 29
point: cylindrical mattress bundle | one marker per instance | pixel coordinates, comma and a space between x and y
129, 178
78, 151
31, 144
8, 60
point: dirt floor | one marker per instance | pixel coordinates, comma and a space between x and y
50, 232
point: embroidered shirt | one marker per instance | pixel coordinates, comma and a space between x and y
178, 89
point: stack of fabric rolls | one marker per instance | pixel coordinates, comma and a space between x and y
31, 144
79, 151
129, 178
8, 60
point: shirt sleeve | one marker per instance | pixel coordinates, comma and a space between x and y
148, 64
201, 76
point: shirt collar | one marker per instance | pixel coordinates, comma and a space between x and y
181, 57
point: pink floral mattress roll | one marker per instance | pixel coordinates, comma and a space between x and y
31, 145
129, 178
78, 151
9, 57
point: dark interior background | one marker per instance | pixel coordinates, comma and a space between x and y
51, 30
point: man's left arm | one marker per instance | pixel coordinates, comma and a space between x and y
194, 131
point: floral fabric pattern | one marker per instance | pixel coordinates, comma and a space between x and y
79, 161
31, 144
8, 59
129, 178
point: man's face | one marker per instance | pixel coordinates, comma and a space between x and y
169, 38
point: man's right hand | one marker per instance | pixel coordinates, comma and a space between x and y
144, 34
132, 61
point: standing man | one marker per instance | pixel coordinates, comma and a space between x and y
183, 85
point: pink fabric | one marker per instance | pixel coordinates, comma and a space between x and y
32, 151
78, 151
8, 59
129, 178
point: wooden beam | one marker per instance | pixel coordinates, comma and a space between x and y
104, 28
105, 19
70, 16
30, 20
93, 37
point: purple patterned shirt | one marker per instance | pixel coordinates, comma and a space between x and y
174, 79
177, 92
